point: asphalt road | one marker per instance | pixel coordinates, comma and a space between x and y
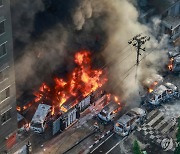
106, 145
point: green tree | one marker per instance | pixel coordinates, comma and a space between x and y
136, 148
177, 151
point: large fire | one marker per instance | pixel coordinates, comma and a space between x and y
170, 65
82, 81
152, 86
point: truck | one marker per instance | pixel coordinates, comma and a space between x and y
129, 121
39, 120
109, 112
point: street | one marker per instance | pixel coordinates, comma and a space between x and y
107, 144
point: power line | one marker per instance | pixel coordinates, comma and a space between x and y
137, 41
129, 71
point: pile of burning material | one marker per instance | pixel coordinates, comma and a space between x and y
111, 108
174, 62
161, 94
152, 82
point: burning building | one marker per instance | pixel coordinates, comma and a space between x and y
68, 97
81, 82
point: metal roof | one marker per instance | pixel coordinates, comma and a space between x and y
177, 59
124, 119
159, 90
138, 111
111, 106
129, 115
41, 113
162, 5
173, 53
171, 22
170, 86
153, 78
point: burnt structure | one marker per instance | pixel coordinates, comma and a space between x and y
8, 115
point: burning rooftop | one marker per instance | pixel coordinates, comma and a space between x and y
81, 82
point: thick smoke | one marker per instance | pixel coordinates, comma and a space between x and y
82, 13
121, 25
102, 26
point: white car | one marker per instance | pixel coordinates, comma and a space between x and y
109, 111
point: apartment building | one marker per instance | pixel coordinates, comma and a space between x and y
8, 115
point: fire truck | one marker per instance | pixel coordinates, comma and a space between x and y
129, 121
161, 94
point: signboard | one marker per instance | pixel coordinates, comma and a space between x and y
56, 126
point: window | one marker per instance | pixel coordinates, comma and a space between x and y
4, 74
3, 49
6, 116
2, 28
5, 94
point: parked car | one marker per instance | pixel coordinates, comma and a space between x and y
109, 112
129, 121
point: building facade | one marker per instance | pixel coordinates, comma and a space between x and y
171, 21
8, 115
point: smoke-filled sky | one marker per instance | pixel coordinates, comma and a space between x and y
48, 32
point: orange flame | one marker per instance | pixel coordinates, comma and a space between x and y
151, 89
170, 65
83, 80
18, 108
52, 111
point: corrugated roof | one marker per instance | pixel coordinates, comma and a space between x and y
171, 22
162, 5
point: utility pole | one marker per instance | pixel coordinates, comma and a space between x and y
137, 41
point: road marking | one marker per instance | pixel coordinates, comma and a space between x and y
155, 119
168, 127
102, 143
116, 145
151, 113
161, 123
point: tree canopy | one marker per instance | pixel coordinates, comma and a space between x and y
136, 148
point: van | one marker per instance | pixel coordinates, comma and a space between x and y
38, 122
109, 112
129, 121
157, 96
162, 93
